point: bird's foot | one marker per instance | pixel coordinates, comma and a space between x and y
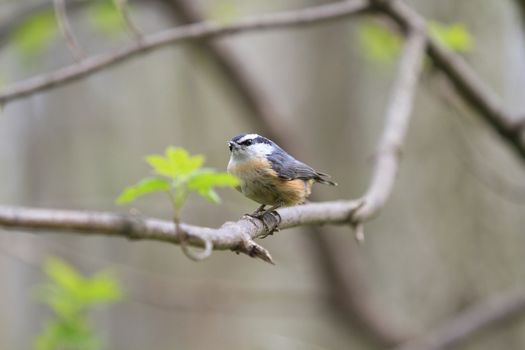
274, 220
271, 220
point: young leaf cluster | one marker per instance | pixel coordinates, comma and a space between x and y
177, 173
71, 296
380, 44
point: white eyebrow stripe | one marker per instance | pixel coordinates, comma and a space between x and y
247, 137
262, 149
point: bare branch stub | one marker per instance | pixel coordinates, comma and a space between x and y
396, 123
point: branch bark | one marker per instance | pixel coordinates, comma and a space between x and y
396, 124
479, 317
200, 30
237, 236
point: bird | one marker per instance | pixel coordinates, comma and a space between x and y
269, 175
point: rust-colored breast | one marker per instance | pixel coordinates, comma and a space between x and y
294, 192
261, 183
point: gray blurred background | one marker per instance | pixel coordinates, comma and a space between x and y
452, 233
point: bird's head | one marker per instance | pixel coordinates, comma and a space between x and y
248, 146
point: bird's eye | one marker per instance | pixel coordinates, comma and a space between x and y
248, 142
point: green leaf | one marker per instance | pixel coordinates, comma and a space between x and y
63, 335
204, 182
378, 43
105, 17
101, 288
60, 300
35, 35
176, 163
160, 165
145, 186
181, 161
455, 36
211, 195
185, 174
71, 296
62, 274
210, 178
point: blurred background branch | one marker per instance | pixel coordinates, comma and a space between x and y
397, 117
468, 84
201, 30
495, 312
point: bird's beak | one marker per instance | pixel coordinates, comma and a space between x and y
232, 145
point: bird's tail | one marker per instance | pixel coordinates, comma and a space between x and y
324, 179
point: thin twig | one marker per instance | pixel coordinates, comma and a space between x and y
201, 30
183, 241
479, 317
396, 124
237, 236
65, 28
123, 8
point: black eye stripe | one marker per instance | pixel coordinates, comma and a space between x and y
251, 141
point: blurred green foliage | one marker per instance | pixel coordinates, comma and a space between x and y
455, 36
35, 34
380, 44
177, 173
105, 16
71, 296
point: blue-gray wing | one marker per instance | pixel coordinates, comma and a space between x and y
289, 168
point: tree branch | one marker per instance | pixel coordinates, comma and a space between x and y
479, 317
171, 36
237, 236
465, 80
396, 124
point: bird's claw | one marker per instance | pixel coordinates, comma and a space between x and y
271, 220
275, 222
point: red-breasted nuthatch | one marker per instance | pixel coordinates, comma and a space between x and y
269, 175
